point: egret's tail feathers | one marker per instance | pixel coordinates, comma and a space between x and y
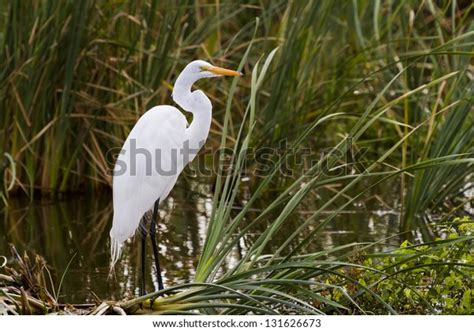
115, 252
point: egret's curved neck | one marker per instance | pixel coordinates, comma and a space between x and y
182, 94
200, 106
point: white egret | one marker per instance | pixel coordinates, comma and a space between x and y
155, 152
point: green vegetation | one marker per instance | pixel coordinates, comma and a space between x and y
430, 278
379, 92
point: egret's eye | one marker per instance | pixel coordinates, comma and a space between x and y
204, 68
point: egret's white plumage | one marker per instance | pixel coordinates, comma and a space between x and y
134, 192
157, 149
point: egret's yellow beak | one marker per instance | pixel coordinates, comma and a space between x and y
222, 71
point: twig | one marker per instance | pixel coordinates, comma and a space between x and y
119, 310
6, 278
101, 309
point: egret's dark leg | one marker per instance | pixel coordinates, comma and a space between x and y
153, 222
143, 233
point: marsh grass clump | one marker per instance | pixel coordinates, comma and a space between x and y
24, 288
27, 288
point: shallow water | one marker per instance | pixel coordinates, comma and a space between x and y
76, 231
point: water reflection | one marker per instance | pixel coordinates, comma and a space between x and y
77, 230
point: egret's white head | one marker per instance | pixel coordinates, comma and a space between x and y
201, 69
197, 100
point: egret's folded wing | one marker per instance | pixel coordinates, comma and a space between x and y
149, 162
